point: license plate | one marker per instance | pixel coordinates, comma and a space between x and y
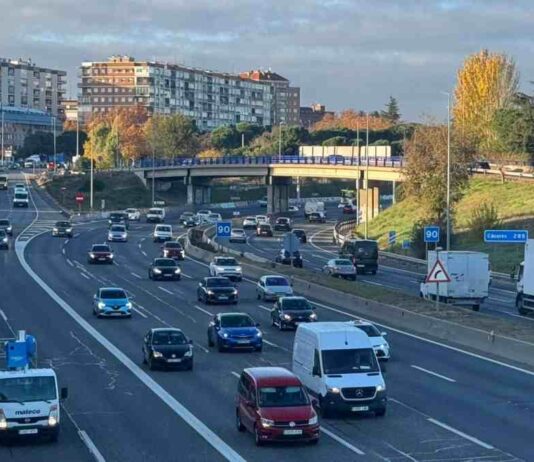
360, 408
360, 266
223, 297
167, 275
242, 342
29, 431
101, 258
175, 360
292, 432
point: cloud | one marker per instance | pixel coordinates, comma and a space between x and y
343, 53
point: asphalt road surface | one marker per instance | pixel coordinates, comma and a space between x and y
444, 404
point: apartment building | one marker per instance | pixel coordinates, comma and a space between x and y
70, 109
313, 114
25, 85
286, 99
211, 98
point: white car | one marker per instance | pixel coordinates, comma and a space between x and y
117, 233
214, 218
380, 345
133, 214
203, 215
272, 287
250, 223
226, 267
262, 219
340, 267
238, 235
293, 208
162, 233
155, 214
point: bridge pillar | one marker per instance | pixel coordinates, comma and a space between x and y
198, 191
277, 194
369, 201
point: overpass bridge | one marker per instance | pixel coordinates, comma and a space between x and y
277, 172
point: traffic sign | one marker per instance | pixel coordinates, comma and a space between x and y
506, 236
431, 233
392, 237
224, 228
438, 273
406, 244
291, 242
79, 197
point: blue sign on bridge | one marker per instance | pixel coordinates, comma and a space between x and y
506, 236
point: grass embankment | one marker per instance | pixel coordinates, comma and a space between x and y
514, 202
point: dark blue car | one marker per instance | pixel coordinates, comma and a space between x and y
230, 331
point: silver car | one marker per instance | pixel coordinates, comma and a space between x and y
272, 287
341, 268
117, 233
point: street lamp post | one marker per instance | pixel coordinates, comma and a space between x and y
54, 135
280, 138
153, 172
448, 208
2, 109
367, 178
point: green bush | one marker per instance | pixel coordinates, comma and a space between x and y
98, 185
484, 217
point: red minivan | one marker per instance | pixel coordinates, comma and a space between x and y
273, 404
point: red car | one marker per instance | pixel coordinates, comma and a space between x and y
173, 250
348, 209
273, 404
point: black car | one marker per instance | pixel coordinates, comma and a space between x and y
286, 258
62, 229
217, 290
4, 240
5, 225
100, 253
118, 218
317, 217
264, 229
167, 348
164, 268
282, 224
363, 253
289, 312
190, 222
301, 234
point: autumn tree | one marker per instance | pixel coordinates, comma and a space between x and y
209, 154
127, 125
99, 146
486, 83
353, 120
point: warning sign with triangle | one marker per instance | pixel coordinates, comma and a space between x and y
438, 273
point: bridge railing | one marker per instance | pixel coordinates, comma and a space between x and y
396, 162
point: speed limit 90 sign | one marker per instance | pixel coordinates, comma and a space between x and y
431, 233
224, 228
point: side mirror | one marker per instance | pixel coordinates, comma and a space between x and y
383, 334
249, 403
199, 284
190, 342
64, 393
314, 401
257, 324
316, 371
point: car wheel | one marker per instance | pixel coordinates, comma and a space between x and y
373, 272
476, 307
198, 297
179, 277
272, 322
150, 363
190, 368
149, 275
380, 412
314, 442
257, 438
144, 358
210, 342
220, 347
259, 349
280, 325
323, 408
239, 425
258, 296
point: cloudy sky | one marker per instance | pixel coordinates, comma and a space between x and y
342, 53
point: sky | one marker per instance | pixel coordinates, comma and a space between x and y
342, 53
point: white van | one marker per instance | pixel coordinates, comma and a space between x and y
21, 199
338, 365
155, 215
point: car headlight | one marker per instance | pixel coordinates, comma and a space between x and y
269, 292
334, 390
4, 240
239, 269
91, 254
157, 354
177, 271
189, 353
3, 421
165, 253
9, 229
157, 271
101, 305
383, 345
210, 292
381, 387
55, 230
129, 305
234, 292
259, 334
225, 335
287, 317
267, 422
313, 316
110, 255
69, 230
53, 417
313, 420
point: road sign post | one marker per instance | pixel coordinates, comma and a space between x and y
438, 274
224, 228
79, 199
392, 238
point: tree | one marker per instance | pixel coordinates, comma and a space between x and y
37, 143
127, 124
353, 120
336, 141
66, 142
225, 138
486, 84
209, 154
172, 136
99, 147
392, 111
426, 170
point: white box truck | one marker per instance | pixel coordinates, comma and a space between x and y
469, 274
525, 281
313, 206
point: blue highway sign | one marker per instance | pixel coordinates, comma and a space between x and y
506, 236
224, 228
431, 233
392, 237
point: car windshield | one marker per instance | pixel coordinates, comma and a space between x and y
236, 320
169, 338
118, 228
342, 263
131, 210
24, 389
187, 214
296, 304
4, 222
265, 226
250, 218
226, 262
63, 224
173, 245
276, 281
165, 229
21, 196
112, 294
349, 361
218, 282
238, 231
164, 262
101, 248
155, 211
298, 232
282, 221
215, 216
370, 330
115, 216
282, 396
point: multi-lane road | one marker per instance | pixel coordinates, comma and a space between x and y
444, 404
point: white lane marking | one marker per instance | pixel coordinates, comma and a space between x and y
373, 283
203, 348
271, 343
176, 406
85, 275
3, 315
139, 312
70, 262
144, 253
165, 290
66, 242
460, 433
435, 374
63, 250
235, 374
91, 446
341, 441
187, 276
524, 318
432, 342
501, 300
135, 275
139, 245
264, 308
203, 310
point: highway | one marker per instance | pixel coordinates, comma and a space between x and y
444, 404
